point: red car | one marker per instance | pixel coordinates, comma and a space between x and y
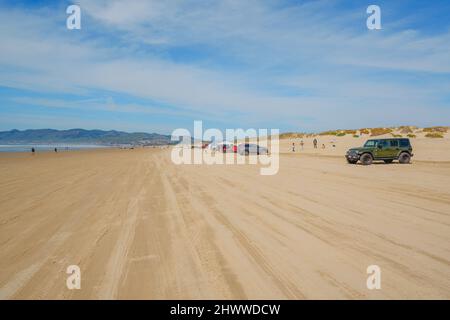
228, 148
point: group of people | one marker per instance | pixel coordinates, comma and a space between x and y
315, 142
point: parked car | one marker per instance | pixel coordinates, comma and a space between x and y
248, 148
226, 147
386, 150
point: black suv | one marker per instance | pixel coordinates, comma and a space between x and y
387, 150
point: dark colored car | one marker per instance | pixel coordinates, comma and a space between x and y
386, 150
248, 148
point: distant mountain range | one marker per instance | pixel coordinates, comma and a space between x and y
112, 137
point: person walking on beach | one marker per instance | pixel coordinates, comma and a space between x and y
32, 150
293, 147
56, 149
315, 143
301, 144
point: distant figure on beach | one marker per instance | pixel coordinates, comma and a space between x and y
32, 150
315, 143
301, 144
333, 143
56, 150
293, 147
323, 146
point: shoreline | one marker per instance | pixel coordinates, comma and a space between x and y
20, 148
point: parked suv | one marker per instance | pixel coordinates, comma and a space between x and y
387, 150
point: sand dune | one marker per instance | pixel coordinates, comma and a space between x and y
141, 227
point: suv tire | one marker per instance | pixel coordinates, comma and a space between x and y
352, 161
388, 161
404, 158
366, 159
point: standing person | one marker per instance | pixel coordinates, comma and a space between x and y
32, 150
293, 147
301, 144
56, 149
315, 143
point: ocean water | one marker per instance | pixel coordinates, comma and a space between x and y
46, 147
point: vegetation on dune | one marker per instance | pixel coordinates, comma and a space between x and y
329, 133
291, 135
405, 129
338, 133
396, 132
436, 129
379, 131
434, 135
364, 131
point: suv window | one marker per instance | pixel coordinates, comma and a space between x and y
404, 143
394, 143
370, 143
383, 143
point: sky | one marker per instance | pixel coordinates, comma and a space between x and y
155, 66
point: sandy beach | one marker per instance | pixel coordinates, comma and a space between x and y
139, 226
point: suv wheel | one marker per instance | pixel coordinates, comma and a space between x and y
404, 158
366, 159
352, 161
388, 161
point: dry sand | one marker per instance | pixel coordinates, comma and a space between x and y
140, 227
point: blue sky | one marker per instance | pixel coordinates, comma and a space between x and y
159, 65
